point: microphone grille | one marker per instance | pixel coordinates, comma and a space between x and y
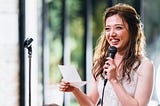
112, 51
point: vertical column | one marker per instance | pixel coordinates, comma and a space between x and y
65, 43
87, 42
44, 54
21, 52
137, 6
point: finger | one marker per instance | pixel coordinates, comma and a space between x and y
63, 88
109, 62
107, 76
105, 71
64, 81
109, 58
63, 85
106, 65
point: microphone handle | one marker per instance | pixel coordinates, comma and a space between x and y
105, 81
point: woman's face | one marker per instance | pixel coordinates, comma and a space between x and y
117, 33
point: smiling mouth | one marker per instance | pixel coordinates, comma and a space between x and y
114, 40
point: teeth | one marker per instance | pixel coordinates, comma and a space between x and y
113, 40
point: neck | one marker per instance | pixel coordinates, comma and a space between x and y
118, 60
120, 54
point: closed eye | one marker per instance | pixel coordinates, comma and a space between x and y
119, 27
107, 28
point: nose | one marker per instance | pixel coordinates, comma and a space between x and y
112, 32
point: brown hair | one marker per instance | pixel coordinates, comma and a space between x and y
135, 49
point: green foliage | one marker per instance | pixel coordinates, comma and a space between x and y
98, 9
55, 57
151, 19
54, 18
74, 8
54, 38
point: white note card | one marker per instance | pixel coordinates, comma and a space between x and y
71, 75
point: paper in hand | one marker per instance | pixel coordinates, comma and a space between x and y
71, 75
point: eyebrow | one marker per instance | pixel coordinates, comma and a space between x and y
116, 25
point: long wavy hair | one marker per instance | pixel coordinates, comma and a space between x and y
135, 48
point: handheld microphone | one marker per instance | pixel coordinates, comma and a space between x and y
111, 53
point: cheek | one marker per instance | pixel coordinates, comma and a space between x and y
107, 35
124, 36
126, 40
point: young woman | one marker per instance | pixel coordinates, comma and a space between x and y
129, 74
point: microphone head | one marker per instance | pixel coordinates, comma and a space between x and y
28, 42
112, 51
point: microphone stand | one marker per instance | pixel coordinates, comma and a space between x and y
27, 44
29, 57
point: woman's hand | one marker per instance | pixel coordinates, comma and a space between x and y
66, 87
109, 69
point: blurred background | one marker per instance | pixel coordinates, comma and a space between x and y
63, 32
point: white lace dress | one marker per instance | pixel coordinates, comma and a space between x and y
110, 98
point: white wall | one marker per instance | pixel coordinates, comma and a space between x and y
9, 57
9, 52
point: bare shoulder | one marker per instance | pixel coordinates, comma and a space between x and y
146, 67
145, 80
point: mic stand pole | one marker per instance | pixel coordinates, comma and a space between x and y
29, 57
28, 45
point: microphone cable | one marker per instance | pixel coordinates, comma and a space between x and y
105, 81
